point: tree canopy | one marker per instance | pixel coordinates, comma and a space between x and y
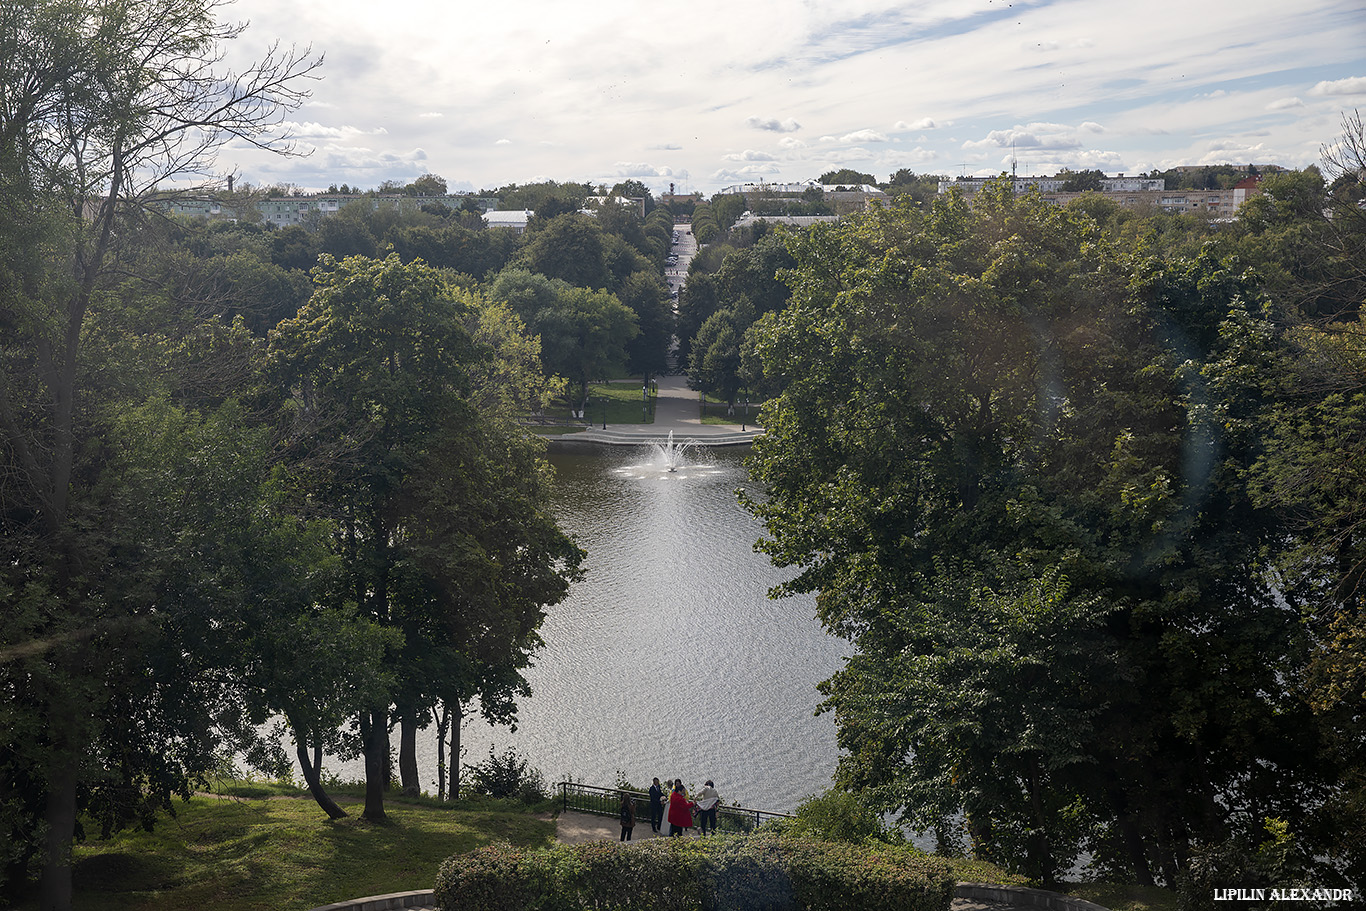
1011, 459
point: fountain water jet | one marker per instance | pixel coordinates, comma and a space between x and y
669, 455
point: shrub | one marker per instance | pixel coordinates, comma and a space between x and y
507, 775
839, 816
762, 872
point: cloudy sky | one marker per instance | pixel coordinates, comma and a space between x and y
716, 92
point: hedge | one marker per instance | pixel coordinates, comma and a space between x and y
762, 872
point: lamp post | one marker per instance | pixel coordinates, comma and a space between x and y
604, 412
645, 401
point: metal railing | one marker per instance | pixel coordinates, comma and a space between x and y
587, 798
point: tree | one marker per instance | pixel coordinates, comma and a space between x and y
921, 187
648, 299
714, 364
100, 103
427, 185
584, 334
1081, 181
442, 527
569, 247
983, 397
846, 177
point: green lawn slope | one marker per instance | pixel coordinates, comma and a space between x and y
268, 853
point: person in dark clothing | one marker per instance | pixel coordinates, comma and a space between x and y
628, 816
656, 806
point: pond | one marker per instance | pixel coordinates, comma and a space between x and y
669, 659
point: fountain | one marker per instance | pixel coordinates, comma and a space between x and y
671, 459
668, 455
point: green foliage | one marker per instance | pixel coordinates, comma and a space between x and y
584, 334
758, 872
1007, 455
922, 188
507, 774
1251, 860
839, 816
846, 177
443, 532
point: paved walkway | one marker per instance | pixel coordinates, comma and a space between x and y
676, 411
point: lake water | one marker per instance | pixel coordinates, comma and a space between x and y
669, 659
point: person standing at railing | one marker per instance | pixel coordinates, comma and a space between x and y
707, 800
656, 806
680, 811
628, 816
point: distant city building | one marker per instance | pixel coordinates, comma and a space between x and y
513, 219
843, 198
290, 210
1120, 184
1133, 192
795, 221
195, 207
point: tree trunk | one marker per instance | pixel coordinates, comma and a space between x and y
1040, 850
407, 752
313, 776
1131, 835
442, 714
54, 890
456, 716
374, 728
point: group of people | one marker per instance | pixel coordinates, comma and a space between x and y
681, 814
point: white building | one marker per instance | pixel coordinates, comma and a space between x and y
513, 219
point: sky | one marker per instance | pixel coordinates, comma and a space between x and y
713, 93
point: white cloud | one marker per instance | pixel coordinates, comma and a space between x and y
1354, 85
864, 136
820, 70
746, 173
772, 124
312, 131
1035, 136
749, 155
637, 169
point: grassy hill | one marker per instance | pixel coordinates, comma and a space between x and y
267, 849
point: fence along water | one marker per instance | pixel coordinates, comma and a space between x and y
587, 798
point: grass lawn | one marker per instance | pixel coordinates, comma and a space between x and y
715, 413
266, 853
259, 846
620, 398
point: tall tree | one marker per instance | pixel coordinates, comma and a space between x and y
442, 524
99, 103
986, 394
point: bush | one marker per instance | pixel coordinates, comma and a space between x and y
839, 816
507, 775
762, 872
